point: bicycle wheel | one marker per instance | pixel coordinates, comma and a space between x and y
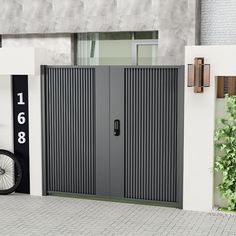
10, 172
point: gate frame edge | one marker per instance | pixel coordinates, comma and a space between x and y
180, 134
180, 129
43, 121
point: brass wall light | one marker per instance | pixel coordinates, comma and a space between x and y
198, 75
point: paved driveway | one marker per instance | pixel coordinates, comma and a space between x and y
27, 215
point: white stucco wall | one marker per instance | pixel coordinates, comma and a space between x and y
35, 141
199, 126
59, 47
19, 61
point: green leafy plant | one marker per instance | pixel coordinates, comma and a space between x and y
225, 163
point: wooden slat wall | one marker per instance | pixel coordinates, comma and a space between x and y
220, 87
230, 88
231, 85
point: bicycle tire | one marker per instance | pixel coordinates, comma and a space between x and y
17, 172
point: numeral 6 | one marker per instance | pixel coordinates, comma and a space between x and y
21, 118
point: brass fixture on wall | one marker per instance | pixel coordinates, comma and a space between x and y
198, 75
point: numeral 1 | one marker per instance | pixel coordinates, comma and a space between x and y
21, 101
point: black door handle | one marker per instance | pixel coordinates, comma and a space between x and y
116, 127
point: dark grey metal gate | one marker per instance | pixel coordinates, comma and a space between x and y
81, 106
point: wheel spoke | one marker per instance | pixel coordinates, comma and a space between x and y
1, 182
7, 162
8, 182
7, 179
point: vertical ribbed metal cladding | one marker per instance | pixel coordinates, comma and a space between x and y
151, 108
70, 129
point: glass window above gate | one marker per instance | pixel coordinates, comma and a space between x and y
117, 48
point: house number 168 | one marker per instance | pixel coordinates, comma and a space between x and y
21, 119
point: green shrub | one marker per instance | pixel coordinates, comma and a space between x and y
225, 163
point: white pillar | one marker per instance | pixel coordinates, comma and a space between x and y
23, 61
199, 126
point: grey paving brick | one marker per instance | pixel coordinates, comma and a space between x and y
27, 215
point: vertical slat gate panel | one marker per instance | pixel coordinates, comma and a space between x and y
151, 107
70, 128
